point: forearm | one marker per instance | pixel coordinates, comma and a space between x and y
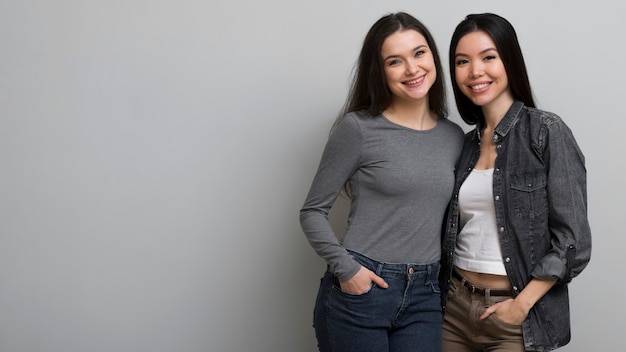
514, 311
533, 292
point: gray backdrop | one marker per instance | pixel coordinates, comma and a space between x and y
154, 156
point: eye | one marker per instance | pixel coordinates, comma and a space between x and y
393, 62
420, 53
461, 62
490, 57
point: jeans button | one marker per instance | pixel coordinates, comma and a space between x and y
410, 270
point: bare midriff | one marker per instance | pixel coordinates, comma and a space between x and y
486, 280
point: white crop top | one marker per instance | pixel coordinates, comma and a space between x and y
478, 245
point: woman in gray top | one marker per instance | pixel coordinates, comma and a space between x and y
393, 151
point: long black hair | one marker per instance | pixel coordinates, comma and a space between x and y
507, 44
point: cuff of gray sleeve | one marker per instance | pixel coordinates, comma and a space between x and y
347, 269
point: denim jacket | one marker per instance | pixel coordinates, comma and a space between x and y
540, 197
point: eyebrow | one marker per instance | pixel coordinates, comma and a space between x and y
480, 53
415, 49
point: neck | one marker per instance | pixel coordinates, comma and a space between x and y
495, 111
416, 115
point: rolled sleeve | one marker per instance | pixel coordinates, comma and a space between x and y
569, 229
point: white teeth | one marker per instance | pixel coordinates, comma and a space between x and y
414, 82
480, 86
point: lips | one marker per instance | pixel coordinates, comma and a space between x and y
414, 81
479, 86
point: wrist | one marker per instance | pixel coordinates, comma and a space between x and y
524, 303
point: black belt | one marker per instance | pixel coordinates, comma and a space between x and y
481, 291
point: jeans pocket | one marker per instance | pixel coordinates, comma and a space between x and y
504, 324
434, 286
338, 288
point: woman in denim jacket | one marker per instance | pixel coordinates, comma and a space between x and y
517, 230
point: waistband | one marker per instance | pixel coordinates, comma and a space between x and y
430, 270
480, 290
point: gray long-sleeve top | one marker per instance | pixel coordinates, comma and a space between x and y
400, 180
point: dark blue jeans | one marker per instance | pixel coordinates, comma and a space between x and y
404, 317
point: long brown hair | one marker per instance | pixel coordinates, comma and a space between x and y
369, 91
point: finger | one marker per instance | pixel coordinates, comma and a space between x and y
379, 281
488, 312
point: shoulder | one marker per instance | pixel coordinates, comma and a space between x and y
349, 121
356, 119
352, 125
544, 126
539, 116
540, 122
450, 124
451, 127
359, 122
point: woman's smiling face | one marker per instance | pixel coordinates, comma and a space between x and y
409, 65
480, 72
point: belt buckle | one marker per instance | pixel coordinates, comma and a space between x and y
474, 289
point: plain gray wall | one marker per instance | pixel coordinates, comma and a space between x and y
154, 156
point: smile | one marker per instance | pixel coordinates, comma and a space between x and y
415, 81
479, 86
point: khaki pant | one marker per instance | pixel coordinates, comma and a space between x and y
463, 331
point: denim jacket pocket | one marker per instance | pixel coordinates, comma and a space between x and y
529, 194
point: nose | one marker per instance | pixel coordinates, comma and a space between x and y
411, 67
476, 70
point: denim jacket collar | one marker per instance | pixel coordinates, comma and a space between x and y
504, 126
